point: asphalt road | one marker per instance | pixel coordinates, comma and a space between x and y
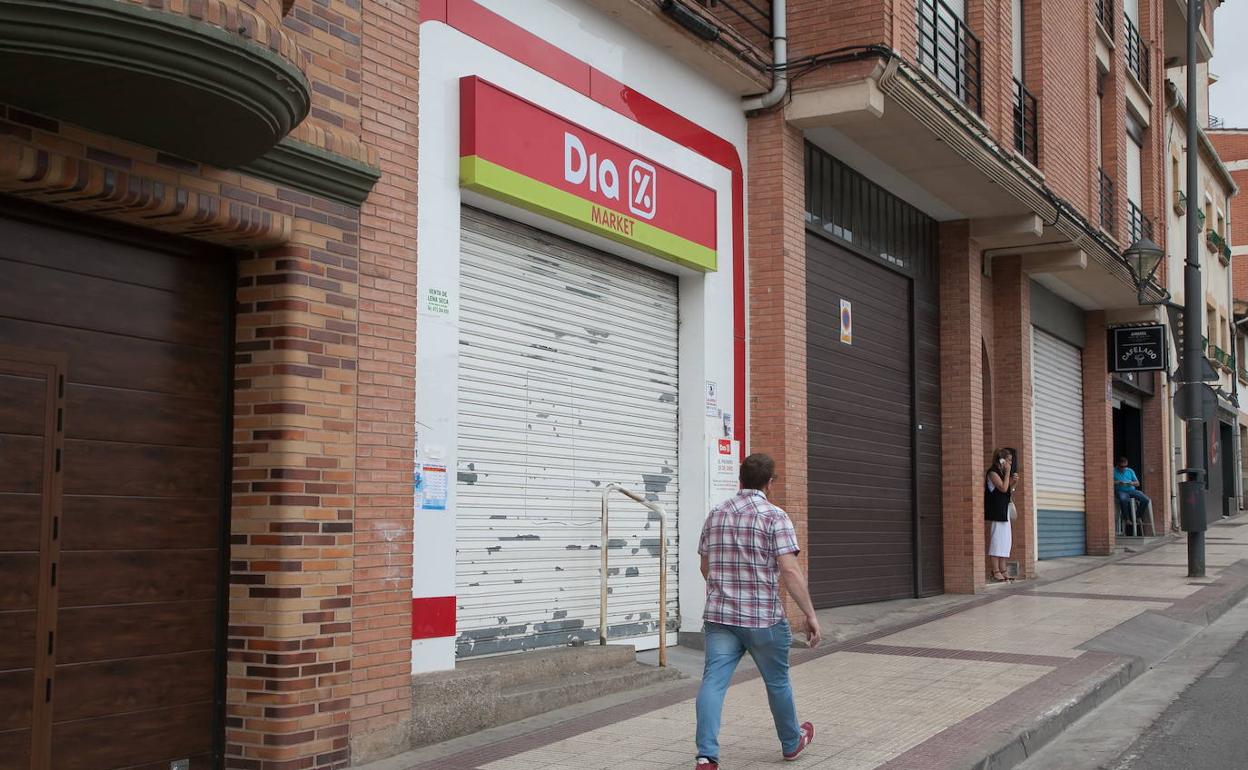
1205, 728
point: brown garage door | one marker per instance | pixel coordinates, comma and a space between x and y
861, 516
107, 659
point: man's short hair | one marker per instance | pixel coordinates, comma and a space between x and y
1124, 460
757, 470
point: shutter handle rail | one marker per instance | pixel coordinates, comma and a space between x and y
602, 606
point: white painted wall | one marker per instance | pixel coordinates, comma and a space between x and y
706, 299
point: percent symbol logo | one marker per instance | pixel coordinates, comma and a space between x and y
643, 192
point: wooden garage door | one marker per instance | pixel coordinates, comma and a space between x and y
121, 672
861, 516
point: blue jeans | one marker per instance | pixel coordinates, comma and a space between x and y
769, 647
1124, 502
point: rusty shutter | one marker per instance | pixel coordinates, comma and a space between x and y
567, 381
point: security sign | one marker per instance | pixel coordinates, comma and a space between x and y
847, 322
1138, 349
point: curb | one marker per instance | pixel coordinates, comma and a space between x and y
1224, 593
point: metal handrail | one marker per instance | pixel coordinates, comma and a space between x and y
1026, 132
602, 611
1105, 14
1107, 202
950, 51
1137, 53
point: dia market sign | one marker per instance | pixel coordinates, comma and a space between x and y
517, 152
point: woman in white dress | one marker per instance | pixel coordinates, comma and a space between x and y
999, 481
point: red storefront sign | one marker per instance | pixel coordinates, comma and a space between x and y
518, 152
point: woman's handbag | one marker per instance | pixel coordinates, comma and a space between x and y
1013, 512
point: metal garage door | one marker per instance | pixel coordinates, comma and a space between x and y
1057, 387
109, 573
861, 545
567, 382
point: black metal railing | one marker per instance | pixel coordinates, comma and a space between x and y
1026, 136
1137, 54
1140, 224
1216, 123
1105, 15
950, 51
1107, 203
751, 19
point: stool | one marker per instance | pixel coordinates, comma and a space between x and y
1137, 523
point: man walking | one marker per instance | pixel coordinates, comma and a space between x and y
1127, 487
747, 546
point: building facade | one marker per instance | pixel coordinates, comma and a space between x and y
327, 327
1232, 147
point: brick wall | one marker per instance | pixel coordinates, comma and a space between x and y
1011, 329
777, 311
319, 615
961, 405
289, 674
1098, 438
381, 691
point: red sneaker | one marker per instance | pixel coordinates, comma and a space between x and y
808, 737
706, 764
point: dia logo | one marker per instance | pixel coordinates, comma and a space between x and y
602, 175
643, 194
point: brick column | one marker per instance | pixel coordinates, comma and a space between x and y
289, 676
381, 693
777, 297
1098, 438
1012, 383
961, 405
1156, 473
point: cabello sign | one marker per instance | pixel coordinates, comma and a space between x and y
1138, 348
515, 151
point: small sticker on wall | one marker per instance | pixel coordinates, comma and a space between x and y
437, 301
712, 399
430, 486
847, 322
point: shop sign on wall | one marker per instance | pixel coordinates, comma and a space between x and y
724, 469
517, 152
1138, 348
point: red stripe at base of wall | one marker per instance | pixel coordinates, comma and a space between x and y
433, 617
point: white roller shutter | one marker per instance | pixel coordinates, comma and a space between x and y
567, 382
1057, 373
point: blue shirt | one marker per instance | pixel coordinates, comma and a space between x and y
1122, 475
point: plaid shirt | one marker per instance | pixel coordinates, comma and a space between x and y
742, 539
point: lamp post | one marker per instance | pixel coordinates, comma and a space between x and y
1142, 257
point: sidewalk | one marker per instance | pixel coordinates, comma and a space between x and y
976, 682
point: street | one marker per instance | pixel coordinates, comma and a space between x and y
1204, 727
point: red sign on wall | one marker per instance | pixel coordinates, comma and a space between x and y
516, 151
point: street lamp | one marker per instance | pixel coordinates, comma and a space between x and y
1143, 257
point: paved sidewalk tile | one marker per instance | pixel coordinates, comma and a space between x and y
924, 696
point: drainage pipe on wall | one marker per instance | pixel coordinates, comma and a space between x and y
780, 61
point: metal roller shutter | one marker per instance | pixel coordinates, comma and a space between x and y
1057, 386
567, 382
859, 401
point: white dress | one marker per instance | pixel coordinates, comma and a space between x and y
1001, 537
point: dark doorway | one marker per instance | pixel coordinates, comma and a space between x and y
1129, 438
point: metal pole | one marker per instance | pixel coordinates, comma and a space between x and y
1193, 371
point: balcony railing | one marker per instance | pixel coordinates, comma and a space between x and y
1137, 54
1216, 123
751, 19
1026, 138
1105, 15
1140, 224
950, 51
1107, 203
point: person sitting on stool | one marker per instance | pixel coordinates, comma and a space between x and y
1127, 487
